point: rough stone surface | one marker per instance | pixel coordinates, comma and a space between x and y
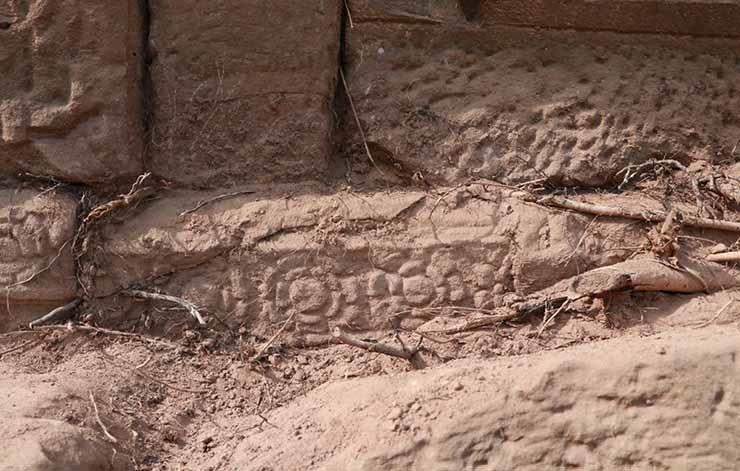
32, 438
258, 108
690, 17
70, 89
660, 403
35, 233
50, 445
451, 101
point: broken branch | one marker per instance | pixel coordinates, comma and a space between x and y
649, 216
376, 347
264, 348
100, 422
358, 122
724, 257
216, 199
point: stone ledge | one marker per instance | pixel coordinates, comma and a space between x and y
349, 259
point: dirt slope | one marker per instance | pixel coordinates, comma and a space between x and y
667, 402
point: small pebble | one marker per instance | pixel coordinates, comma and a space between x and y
395, 413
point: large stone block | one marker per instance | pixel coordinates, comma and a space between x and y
70, 89
452, 99
37, 270
356, 260
718, 18
243, 89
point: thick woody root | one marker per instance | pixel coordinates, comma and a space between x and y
641, 275
647, 274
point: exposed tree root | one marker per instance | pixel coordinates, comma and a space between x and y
648, 216
641, 275
724, 257
61, 313
409, 354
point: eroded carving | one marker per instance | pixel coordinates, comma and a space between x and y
372, 290
36, 230
66, 103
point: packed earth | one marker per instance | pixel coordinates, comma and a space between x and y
266, 235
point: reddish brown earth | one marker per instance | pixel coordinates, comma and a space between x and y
527, 199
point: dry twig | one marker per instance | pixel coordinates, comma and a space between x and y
631, 171
349, 14
188, 306
264, 348
649, 216
216, 199
100, 422
70, 327
18, 347
376, 347
137, 192
358, 122
546, 321
58, 314
716, 316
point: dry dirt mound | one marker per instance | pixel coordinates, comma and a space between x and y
667, 402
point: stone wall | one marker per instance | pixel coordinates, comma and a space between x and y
238, 112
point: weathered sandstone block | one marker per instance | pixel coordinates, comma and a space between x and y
691, 17
243, 89
348, 259
453, 98
70, 89
36, 266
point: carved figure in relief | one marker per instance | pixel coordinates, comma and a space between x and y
41, 93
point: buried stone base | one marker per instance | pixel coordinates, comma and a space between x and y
364, 262
647, 403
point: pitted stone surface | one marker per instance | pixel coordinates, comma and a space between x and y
519, 105
258, 106
70, 89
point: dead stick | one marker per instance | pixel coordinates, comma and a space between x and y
376, 347
478, 323
264, 348
99, 330
546, 321
19, 347
349, 14
216, 199
724, 257
357, 121
716, 316
190, 307
100, 422
60, 313
649, 216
